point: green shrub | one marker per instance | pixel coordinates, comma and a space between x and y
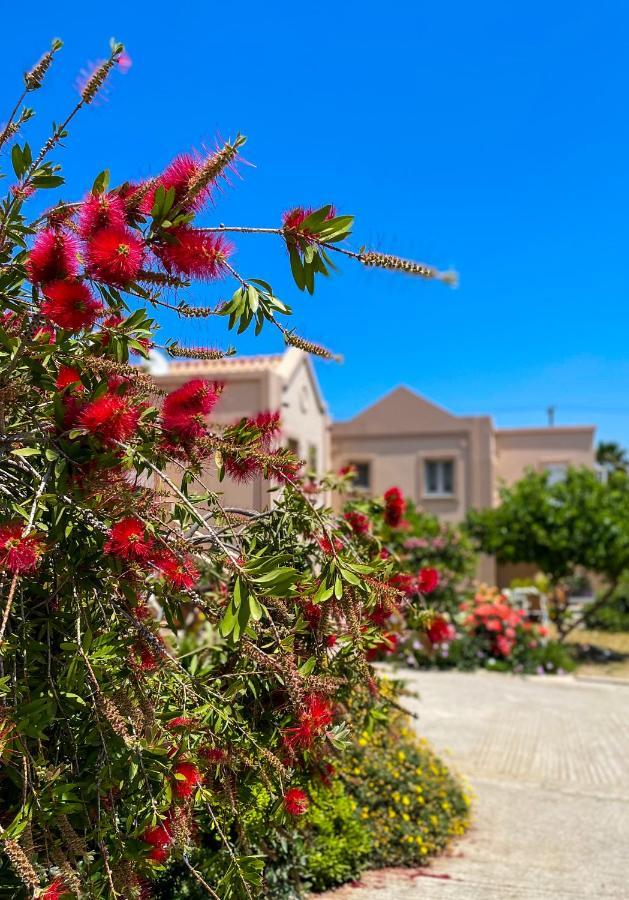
410, 801
614, 616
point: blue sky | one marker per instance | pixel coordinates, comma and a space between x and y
490, 137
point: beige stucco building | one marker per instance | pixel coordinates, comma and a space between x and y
448, 464
445, 463
284, 382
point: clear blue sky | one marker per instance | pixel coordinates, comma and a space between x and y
492, 137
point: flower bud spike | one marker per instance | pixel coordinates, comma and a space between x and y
388, 261
35, 76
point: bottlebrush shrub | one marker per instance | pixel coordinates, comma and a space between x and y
113, 742
433, 561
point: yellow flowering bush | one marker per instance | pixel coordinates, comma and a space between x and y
411, 802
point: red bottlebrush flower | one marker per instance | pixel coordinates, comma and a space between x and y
54, 256
357, 521
328, 546
384, 553
313, 721
179, 175
293, 218
331, 640
55, 890
128, 540
215, 755
184, 722
405, 583
387, 646
110, 418
312, 612
114, 256
101, 211
379, 614
269, 426
180, 573
296, 802
427, 580
70, 305
69, 377
283, 469
196, 396
393, 507
160, 838
240, 467
187, 779
148, 661
19, 552
195, 254
184, 408
440, 631
318, 712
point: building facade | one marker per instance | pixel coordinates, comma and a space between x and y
446, 464
449, 464
284, 382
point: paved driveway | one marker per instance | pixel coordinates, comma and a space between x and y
548, 761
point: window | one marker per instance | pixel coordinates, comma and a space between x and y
362, 477
312, 458
293, 445
439, 477
556, 472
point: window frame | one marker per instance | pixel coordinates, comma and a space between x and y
440, 493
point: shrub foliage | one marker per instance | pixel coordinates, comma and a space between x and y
167, 664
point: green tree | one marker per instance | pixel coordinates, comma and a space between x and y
576, 523
611, 455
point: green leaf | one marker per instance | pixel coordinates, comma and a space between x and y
101, 182
26, 451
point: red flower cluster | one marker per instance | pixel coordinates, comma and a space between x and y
128, 541
69, 377
55, 890
296, 802
394, 505
19, 552
427, 580
184, 409
181, 573
256, 435
110, 418
313, 721
99, 211
114, 255
70, 305
491, 614
187, 779
53, 256
160, 838
330, 546
195, 254
387, 646
440, 631
357, 521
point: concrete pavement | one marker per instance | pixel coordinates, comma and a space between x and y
548, 761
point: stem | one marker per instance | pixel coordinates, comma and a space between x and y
591, 608
7, 127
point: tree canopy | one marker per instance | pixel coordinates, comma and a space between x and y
576, 523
